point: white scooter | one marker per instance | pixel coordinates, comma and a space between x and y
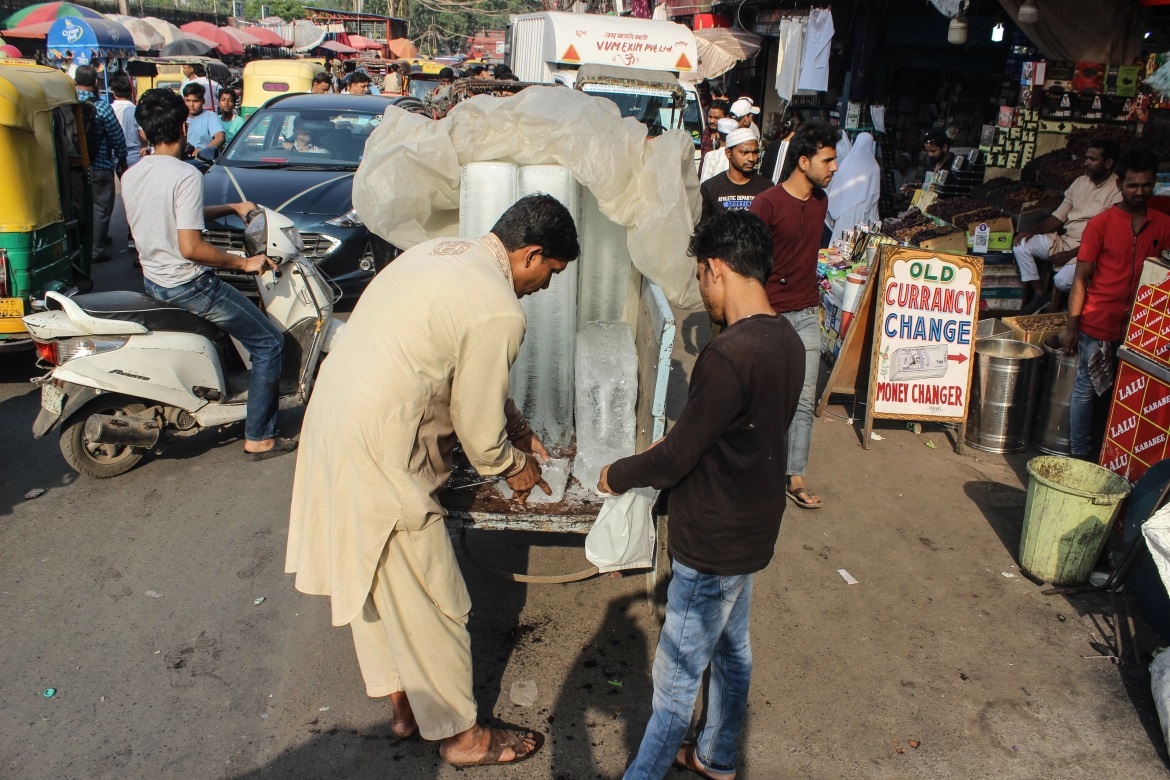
128, 372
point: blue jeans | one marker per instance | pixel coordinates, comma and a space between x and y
1084, 397
807, 323
212, 299
706, 626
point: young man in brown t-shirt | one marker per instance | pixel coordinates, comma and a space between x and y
795, 213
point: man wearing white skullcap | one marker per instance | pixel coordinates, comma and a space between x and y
737, 186
715, 161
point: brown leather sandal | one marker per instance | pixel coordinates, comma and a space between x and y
501, 740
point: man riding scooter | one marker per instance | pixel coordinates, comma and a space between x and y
164, 206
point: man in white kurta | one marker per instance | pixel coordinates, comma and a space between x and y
423, 361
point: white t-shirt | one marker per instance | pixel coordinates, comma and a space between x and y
164, 195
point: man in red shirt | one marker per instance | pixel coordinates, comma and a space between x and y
1109, 264
795, 213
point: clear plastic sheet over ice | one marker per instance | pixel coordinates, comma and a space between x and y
542, 376
407, 187
486, 191
606, 273
607, 393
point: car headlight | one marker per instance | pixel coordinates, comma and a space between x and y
350, 219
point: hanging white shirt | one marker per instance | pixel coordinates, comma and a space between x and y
814, 65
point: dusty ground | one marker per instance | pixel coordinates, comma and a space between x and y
134, 598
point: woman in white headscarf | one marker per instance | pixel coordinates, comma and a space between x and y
855, 189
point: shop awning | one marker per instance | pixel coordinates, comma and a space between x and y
145, 36
88, 39
224, 42
362, 42
721, 48
338, 47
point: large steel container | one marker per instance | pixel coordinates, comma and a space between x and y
1050, 430
1003, 395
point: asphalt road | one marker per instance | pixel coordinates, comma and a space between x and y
136, 600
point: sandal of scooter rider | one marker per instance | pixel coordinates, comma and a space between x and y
279, 447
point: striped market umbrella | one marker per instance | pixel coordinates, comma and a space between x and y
49, 12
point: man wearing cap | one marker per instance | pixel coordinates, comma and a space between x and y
715, 161
735, 188
743, 111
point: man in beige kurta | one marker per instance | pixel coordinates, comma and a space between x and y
423, 361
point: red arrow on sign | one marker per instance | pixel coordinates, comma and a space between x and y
960, 358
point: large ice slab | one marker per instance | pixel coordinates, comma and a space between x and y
606, 268
486, 190
542, 377
606, 396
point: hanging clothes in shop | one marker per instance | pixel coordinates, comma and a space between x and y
814, 63
855, 189
788, 54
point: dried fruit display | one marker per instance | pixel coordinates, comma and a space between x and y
946, 208
968, 219
1078, 140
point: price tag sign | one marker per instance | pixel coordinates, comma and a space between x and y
982, 239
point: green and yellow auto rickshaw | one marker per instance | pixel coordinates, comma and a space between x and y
43, 227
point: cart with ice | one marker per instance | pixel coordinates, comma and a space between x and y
592, 373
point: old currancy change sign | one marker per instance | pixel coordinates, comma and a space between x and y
924, 335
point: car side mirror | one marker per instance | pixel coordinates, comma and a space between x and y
208, 154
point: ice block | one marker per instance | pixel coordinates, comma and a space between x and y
606, 395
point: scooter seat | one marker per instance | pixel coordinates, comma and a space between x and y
144, 310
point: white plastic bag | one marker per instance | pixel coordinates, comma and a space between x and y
1157, 533
1160, 684
623, 537
407, 187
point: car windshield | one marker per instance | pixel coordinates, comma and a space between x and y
656, 111
302, 138
421, 86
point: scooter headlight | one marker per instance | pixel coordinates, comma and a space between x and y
70, 349
294, 235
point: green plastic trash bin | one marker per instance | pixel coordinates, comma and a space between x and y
1071, 506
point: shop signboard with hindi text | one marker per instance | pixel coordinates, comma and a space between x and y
924, 336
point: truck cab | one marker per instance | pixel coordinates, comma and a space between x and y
640, 64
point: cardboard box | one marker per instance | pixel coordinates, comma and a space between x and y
1138, 430
1148, 332
1024, 327
952, 242
1089, 78
998, 241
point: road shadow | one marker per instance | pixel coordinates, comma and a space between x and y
604, 702
1003, 508
29, 463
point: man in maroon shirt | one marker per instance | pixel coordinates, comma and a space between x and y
1113, 248
795, 214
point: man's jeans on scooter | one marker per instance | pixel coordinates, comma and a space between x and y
209, 297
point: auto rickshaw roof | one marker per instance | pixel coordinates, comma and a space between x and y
27, 90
